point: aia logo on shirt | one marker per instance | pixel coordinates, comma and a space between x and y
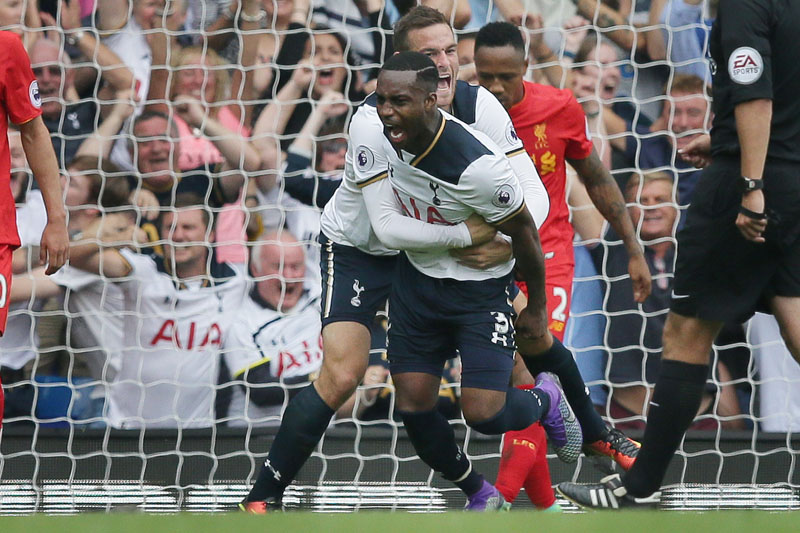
190, 339
745, 66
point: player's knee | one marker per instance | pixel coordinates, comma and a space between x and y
478, 411
340, 381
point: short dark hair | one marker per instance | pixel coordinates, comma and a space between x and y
417, 18
189, 200
591, 42
498, 34
427, 73
108, 187
149, 115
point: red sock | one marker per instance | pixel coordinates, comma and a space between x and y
524, 463
517, 459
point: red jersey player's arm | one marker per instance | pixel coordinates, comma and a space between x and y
54, 248
605, 194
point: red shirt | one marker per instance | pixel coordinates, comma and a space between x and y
552, 126
21, 103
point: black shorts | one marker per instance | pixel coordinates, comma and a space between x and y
433, 319
718, 274
355, 285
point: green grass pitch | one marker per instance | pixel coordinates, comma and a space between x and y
385, 522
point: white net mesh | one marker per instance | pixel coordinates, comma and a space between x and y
198, 98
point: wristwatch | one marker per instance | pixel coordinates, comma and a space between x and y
747, 185
244, 17
73, 38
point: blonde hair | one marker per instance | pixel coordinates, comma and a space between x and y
216, 68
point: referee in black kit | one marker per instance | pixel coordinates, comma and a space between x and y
739, 251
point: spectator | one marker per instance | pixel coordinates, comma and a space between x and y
684, 32
274, 347
210, 131
215, 22
95, 324
634, 336
128, 26
362, 21
778, 376
19, 17
20, 343
181, 307
466, 58
312, 173
70, 122
686, 114
595, 82
324, 68
156, 156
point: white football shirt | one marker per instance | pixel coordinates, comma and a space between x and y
21, 340
460, 173
94, 319
289, 342
345, 219
174, 334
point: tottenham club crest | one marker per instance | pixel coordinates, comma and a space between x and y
503, 196
355, 301
435, 188
33, 92
364, 158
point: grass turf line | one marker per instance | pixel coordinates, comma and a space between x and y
385, 522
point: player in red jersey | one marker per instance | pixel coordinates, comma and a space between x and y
553, 130
21, 103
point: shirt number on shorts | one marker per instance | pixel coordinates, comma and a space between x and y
500, 335
3, 291
558, 312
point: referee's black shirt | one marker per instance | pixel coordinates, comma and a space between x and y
755, 46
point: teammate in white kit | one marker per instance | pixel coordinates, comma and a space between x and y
177, 312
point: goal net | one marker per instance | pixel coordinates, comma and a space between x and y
246, 109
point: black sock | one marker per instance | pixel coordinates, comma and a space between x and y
522, 408
303, 424
677, 396
560, 362
435, 442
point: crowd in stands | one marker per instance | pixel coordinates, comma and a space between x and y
199, 141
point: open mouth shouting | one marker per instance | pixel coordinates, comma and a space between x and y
397, 136
325, 76
445, 87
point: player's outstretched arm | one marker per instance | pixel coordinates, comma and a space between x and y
605, 194
54, 248
401, 232
532, 322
